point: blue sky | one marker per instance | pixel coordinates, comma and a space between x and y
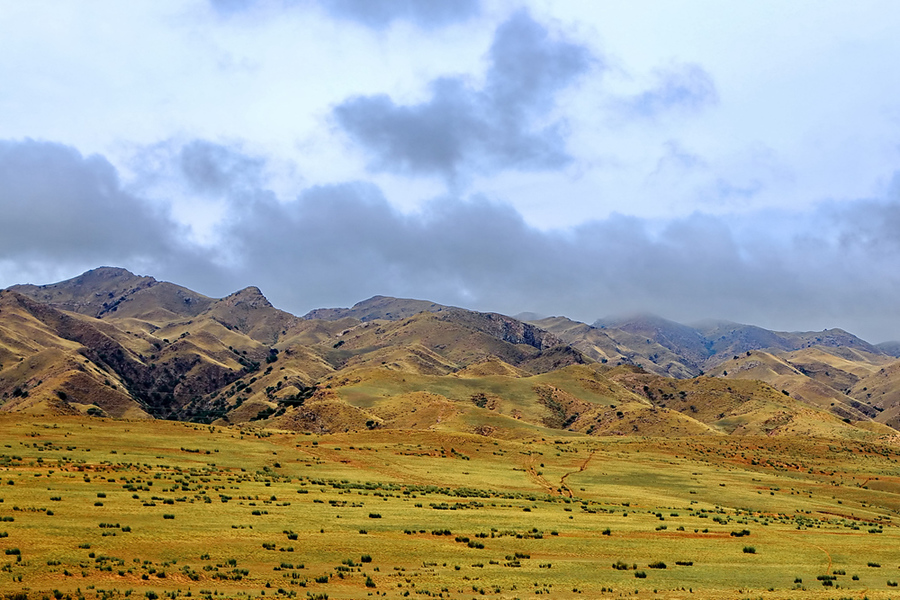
693, 159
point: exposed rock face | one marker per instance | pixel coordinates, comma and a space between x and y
249, 298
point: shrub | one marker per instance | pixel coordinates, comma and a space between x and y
369, 582
168, 516
365, 558
657, 565
374, 516
640, 574
749, 550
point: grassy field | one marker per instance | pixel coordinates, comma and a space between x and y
111, 509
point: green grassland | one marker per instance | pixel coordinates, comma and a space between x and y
143, 509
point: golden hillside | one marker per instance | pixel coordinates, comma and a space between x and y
110, 343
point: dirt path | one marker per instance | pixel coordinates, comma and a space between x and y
562, 482
828, 568
538, 478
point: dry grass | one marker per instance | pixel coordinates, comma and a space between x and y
812, 506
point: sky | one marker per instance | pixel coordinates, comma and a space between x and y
693, 159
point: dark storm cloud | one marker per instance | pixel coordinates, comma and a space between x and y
377, 14
684, 87
335, 245
60, 205
485, 130
63, 213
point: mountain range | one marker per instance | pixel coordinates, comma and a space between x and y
111, 343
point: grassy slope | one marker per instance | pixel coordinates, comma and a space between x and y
808, 503
798, 380
882, 389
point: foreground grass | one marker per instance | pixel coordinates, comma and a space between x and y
109, 509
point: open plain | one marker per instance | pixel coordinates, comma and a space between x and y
108, 509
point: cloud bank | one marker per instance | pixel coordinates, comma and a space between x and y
378, 14
337, 244
492, 128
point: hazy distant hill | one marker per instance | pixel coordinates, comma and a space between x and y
669, 348
111, 343
890, 348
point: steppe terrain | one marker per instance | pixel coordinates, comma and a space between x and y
157, 442
103, 508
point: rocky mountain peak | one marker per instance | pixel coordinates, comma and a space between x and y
249, 297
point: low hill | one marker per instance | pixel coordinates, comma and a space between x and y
779, 372
46, 364
738, 407
881, 390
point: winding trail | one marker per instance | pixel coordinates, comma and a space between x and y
828, 568
562, 482
539, 479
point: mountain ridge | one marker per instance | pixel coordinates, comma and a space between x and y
111, 343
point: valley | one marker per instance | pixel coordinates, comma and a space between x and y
157, 443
